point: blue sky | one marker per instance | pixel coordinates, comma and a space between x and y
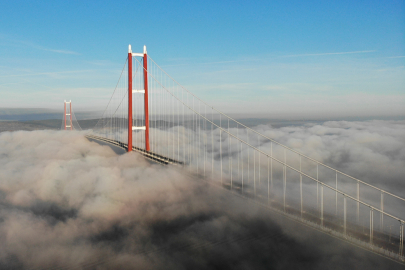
275, 58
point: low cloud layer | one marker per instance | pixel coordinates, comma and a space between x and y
66, 202
373, 151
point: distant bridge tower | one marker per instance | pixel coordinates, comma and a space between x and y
65, 114
138, 91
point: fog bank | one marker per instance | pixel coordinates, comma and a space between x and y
67, 202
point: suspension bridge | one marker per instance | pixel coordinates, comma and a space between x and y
151, 113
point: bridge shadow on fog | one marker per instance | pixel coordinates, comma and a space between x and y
118, 150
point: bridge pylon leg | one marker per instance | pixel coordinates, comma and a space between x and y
129, 99
146, 106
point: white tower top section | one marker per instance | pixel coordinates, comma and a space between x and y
144, 49
129, 48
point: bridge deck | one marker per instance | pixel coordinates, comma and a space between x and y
149, 155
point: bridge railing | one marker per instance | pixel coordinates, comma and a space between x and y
244, 160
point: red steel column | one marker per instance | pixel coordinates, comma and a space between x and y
129, 99
70, 112
64, 114
145, 80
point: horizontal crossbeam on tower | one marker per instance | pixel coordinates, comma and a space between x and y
137, 54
